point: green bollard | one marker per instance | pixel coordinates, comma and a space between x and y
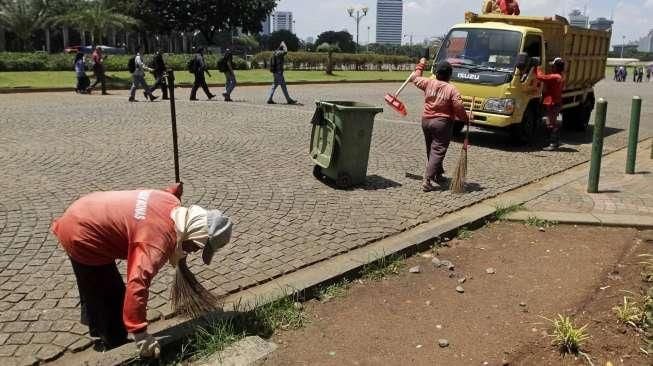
597, 146
633, 134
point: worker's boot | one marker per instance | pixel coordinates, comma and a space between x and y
554, 141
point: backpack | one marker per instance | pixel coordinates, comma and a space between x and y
191, 66
131, 65
222, 65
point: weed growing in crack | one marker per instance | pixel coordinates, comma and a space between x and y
464, 233
503, 211
383, 267
334, 290
568, 338
534, 221
630, 312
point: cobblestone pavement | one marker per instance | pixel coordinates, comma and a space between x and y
619, 193
246, 158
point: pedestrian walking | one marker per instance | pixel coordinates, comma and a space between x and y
276, 68
226, 66
83, 82
443, 106
648, 74
99, 70
159, 67
616, 73
554, 84
640, 75
198, 67
147, 228
137, 68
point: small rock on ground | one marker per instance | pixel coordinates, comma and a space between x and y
460, 289
462, 280
443, 343
415, 269
490, 271
436, 262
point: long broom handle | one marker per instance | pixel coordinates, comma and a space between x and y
403, 86
469, 122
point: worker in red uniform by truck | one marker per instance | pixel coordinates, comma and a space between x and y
554, 84
509, 7
147, 228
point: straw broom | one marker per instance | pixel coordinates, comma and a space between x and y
458, 180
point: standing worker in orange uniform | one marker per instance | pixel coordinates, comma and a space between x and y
443, 105
509, 7
554, 84
147, 228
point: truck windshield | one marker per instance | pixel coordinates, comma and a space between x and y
481, 49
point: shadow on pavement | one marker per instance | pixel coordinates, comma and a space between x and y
377, 183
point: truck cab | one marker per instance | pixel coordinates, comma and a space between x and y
494, 65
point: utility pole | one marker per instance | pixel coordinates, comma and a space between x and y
357, 14
623, 45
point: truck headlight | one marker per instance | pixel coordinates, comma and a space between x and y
501, 106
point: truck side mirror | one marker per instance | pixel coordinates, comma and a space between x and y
522, 61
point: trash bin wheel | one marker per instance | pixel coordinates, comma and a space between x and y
343, 181
317, 172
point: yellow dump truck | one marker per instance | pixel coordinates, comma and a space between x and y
494, 58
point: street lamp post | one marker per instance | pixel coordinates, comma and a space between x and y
357, 14
623, 45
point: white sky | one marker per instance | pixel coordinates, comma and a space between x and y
425, 18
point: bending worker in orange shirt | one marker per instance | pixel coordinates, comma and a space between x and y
554, 84
443, 106
147, 228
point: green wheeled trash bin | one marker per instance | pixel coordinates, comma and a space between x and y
340, 141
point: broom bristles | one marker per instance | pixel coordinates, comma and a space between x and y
458, 180
188, 296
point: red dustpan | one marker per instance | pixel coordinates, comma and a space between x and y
394, 102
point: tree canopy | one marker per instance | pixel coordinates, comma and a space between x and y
275, 39
343, 39
207, 16
23, 17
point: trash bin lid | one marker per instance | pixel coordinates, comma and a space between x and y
350, 106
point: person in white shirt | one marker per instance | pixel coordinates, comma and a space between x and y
138, 78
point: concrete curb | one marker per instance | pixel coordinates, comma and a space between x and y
169, 331
585, 218
25, 90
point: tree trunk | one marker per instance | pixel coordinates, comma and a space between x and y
3, 45
114, 36
47, 40
64, 34
82, 34
329, 66
184, 43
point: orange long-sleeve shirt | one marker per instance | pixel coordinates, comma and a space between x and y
101, 227
442, 100
554, 84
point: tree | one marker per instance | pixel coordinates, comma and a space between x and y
97, 18
207, 16
329, 49
343, 39
284, 36
23, 18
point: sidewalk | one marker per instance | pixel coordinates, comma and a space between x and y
623, 199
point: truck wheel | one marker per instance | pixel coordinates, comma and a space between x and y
526, 131
343, 181
317, 172
458, 128
578, 118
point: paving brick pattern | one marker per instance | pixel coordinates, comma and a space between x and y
246, 158
619, 193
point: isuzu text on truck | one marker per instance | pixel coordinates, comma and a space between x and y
494, 58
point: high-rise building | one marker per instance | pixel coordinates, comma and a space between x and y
282, 20
646, 43
578, 19
601, 24
267, 26
389, 21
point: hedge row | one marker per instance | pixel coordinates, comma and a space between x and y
41, 61
342, 61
